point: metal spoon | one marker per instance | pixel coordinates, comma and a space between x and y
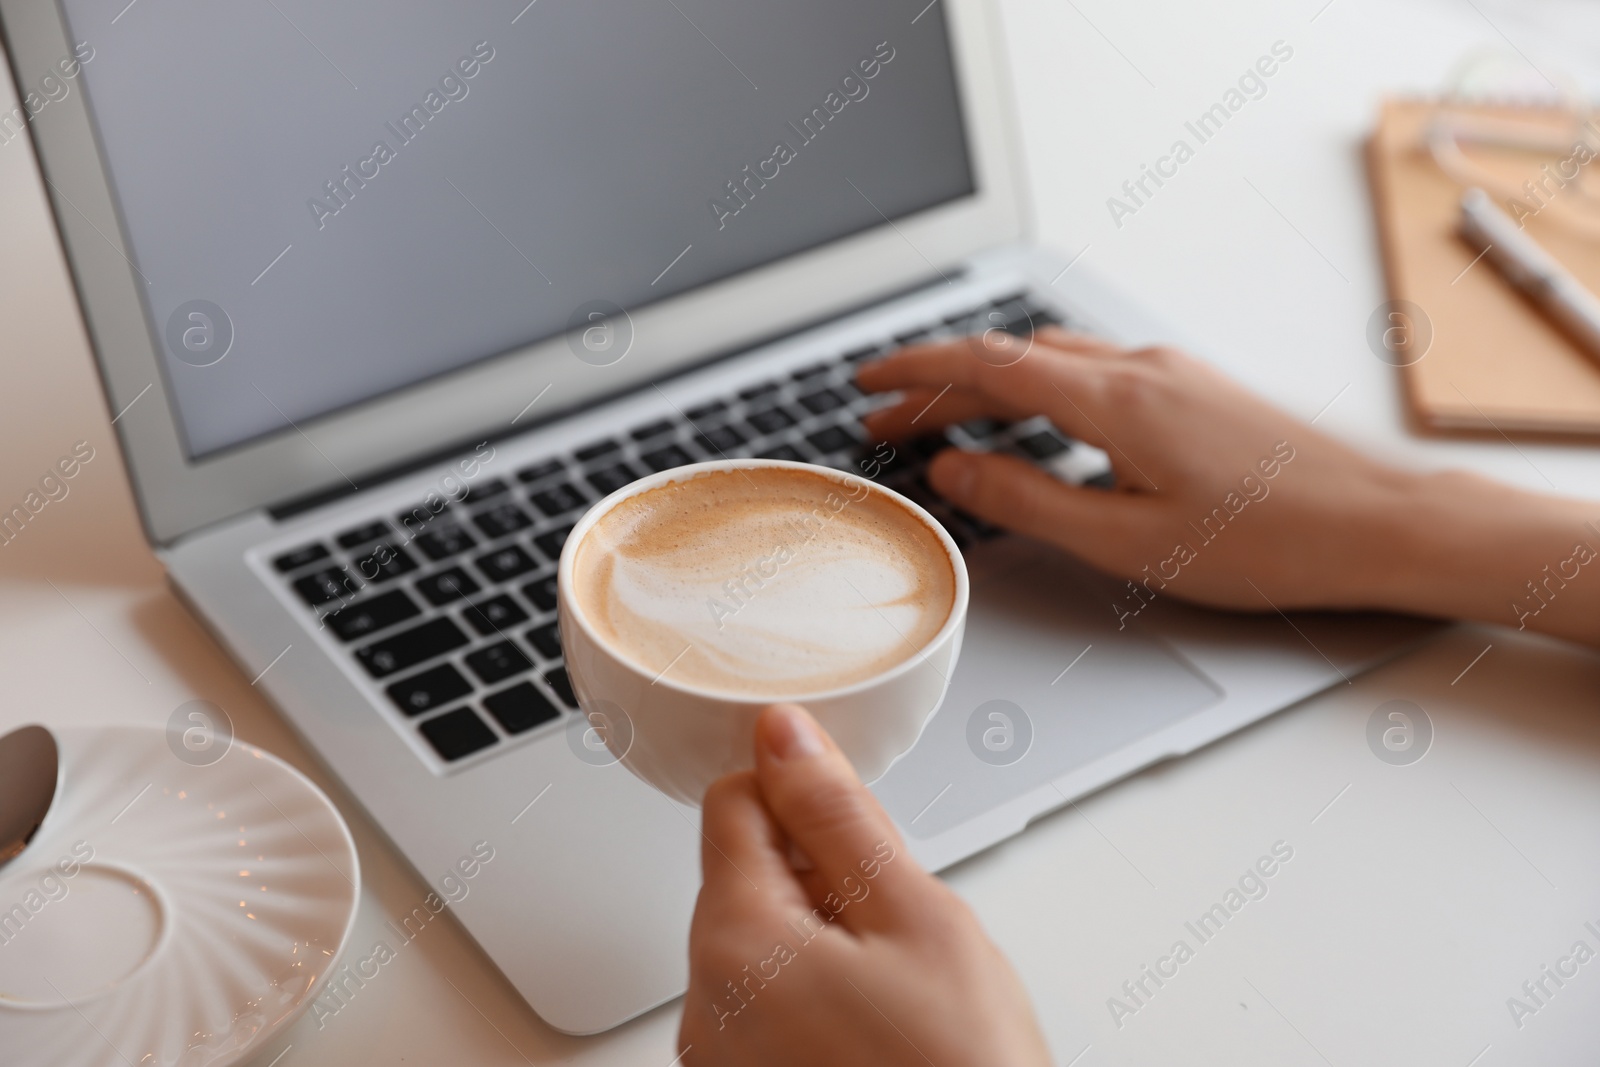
28, 769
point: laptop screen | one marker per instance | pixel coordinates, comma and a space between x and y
331, 201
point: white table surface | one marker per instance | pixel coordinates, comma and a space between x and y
1415, 904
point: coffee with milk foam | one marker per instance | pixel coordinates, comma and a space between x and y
768, 582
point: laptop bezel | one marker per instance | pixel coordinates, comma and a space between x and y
177, 496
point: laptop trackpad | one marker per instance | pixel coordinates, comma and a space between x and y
1028, 702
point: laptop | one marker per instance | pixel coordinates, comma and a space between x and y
383, 299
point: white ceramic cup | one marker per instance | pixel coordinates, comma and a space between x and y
680, 739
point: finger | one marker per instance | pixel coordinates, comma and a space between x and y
815, 796
1050, 337
928, 411
893, 371
744, 865
1015, 494
1072, 341
1069, 387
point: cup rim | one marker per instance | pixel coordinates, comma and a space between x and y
952, 623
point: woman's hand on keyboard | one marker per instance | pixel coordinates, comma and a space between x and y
1222, 498
817, 939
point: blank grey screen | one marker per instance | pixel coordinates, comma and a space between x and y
330, 201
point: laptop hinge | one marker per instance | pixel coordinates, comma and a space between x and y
311, 502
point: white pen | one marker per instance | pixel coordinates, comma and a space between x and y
1533, 271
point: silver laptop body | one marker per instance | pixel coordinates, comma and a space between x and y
360, 400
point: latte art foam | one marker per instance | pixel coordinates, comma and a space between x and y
766, 582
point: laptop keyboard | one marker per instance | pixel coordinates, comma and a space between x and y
455, 619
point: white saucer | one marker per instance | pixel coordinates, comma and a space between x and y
170, 915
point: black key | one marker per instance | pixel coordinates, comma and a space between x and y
504, 518
821, 400
431, 689
928, 445
506, 564
444, 542
770, 420
385, 563
704, 410
332, 583
849, 390
1102, 481
596, 450
447, 585
651, 429
359, 536
758, 390
550, 542
610, 479
788, 452
1025, 317
370, 616
911, 338
667, 458
542, 594
290, 561
558, 681
983, 531
981, 428
884, 463
832, 439
1014, 298
1012, 315
540, 470
457, 733
520, 708
861, 354
1042, 445
558, 499
720, 439
486, 490
961, 321
410, 647
921, 490
493, 615
416, 520
546, 640
498, 662
811, 371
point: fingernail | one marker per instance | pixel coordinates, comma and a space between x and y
956, 476
791, 734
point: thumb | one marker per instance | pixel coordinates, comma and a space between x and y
1013, 493
815, 796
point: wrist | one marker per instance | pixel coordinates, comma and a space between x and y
1462, 546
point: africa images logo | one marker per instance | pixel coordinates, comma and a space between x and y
853, 88
453, 87
1251, 85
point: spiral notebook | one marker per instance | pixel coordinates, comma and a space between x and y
1494, 362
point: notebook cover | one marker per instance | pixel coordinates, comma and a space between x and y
1495, 362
